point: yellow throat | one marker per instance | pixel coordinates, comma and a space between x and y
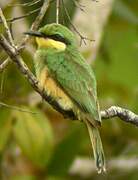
50, 43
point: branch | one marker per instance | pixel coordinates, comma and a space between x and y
85, 167
124, 114
83, 39
6, 27
4, 64
34, 27
16, 108
14, 55
113, 111
11, 20
36, 23
25, 4
57, 10
7, 61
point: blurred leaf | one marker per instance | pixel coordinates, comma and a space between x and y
131, 150
57, 178
23, 177
15, 86
123, 11
66, 151
5, 127
122, 48
34, 135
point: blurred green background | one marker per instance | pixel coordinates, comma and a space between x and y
46, 146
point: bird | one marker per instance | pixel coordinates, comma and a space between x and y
69, 80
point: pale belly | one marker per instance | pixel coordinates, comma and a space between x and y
53, 90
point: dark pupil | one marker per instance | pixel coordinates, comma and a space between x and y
57, 37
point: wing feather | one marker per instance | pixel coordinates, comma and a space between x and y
76, 78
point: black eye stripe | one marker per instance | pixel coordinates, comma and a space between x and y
57, 37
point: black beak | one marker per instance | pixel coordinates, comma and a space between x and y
34, 33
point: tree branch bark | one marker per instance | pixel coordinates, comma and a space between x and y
113, 111
124, 114
13, 53
16, 58
34, 27
6, 28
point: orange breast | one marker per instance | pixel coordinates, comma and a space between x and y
52, 89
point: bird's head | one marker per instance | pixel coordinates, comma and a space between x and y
55, 36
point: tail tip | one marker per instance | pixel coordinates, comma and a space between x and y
101, 170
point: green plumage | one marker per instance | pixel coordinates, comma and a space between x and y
76, 78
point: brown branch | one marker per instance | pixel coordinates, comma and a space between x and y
34, 27
6, 28
7, 61
113, 111
124, 114
14, 55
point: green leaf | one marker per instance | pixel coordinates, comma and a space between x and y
122, 50
66, 151
34, 135
5, 127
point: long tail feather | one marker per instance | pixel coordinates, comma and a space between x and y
97, 147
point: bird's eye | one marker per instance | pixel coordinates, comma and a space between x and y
58, 37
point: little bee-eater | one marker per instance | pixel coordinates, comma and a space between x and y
65, 76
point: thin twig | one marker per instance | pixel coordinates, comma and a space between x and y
57, 11
3, 20
36, 23
2, 82
16, 108
25, 4
83, 39
78, 5
21, 17
4, 64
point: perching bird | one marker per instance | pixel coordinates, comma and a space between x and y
65, 76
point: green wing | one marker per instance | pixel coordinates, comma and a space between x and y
76, 78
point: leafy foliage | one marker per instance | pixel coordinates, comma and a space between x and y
34, 135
